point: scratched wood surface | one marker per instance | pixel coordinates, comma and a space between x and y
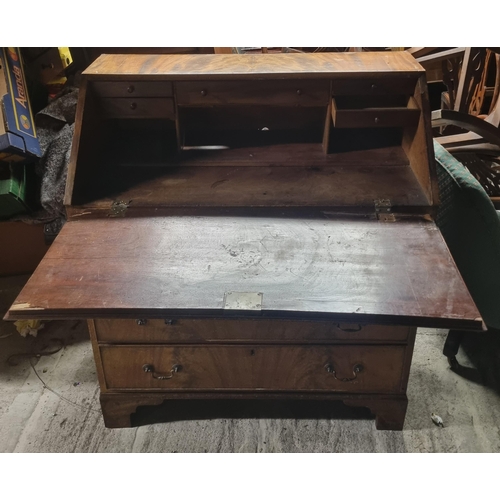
253, 187
292, 368
248, 66
214, 330
362, 271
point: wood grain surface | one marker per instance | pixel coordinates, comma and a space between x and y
251, 66
276, 93
293, 368
213, 330
354, 270
256, 186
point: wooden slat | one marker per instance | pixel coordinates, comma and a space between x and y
441, 56
250, 66
348, 270
468, 122
420, 51
256, 186
418, 146
275, 155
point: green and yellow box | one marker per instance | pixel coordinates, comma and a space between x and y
18, 140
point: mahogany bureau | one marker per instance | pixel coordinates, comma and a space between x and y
252, 226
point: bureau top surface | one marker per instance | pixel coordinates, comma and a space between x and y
354, 269
252, 66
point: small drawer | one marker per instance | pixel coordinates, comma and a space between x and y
242, 330
138, 108
382, 117
353, 368
133, 89
374, 86
272, 93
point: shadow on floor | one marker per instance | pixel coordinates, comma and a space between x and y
182, 410
483, 350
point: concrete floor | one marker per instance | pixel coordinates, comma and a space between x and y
64, 414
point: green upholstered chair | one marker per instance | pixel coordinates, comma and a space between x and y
471, 228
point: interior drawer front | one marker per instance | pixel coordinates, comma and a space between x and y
241, 330
275, 93
374, 86
133, 89
376, 117
138, 108
291, 368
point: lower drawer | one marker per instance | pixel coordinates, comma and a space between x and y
175, 330
290, 368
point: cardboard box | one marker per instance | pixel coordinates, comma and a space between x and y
23, 246
18, 140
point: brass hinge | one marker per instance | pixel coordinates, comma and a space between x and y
383, 210
118, 208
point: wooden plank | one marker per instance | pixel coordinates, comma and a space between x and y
418, 146
275, 155
97, 354
420, 51
261, 186
468, 122
441, 56
251, 66
347, 270
75, 145
326, 131
465, 139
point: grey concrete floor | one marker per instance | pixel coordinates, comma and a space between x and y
62, 414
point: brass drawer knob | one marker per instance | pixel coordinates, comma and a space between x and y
158, 376
355, 370
130, 89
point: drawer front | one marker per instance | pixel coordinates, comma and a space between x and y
241, 330
138, 108
376, 117
290, 368
273, 93
374, 86
133, 89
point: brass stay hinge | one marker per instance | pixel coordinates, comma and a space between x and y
119, 208
383, 210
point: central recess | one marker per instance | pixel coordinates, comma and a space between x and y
251, 126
